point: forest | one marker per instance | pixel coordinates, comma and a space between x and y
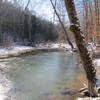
49, 50
22, 27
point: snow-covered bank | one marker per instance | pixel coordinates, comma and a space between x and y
18, 50
55, 45
4, 87
14, 51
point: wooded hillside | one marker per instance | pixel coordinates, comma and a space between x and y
22, 27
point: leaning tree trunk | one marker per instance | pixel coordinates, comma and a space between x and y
64, 29
83, 51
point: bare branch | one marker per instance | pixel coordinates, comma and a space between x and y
27, 5
65, 32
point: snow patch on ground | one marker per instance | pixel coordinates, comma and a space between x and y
97, 62
98, 98
91, 47
61, 45
5, 86
4, 52
14, 49
54, 45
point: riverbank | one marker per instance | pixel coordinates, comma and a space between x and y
81, 95
17, 50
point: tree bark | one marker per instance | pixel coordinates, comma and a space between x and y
83, 51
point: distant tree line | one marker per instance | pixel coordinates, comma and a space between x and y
22, 27
91, 20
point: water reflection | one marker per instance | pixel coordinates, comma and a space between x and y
42, 76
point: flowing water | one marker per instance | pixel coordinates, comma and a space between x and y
41, 76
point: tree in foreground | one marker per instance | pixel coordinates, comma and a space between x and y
83, 51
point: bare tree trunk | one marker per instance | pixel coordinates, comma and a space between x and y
66, 34
83, 51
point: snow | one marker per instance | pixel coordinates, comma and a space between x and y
61, 45
54, 45
91, 47
18, 50
98, 98
97, 62
5, 86
4, 52
2, 97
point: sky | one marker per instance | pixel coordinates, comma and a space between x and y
43, 8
